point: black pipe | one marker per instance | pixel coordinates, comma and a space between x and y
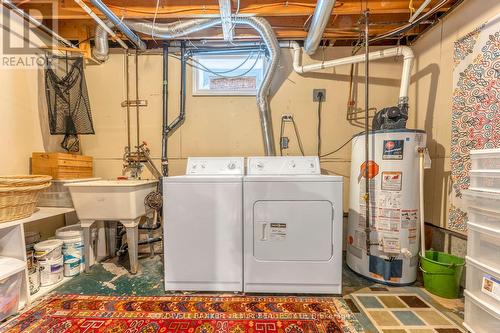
182, 113
164, 155
124, 247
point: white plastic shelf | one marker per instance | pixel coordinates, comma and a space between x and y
40, 214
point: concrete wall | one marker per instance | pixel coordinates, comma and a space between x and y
229, 126
431, 96
23, 112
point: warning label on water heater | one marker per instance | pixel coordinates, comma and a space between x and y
392, 180
393, 149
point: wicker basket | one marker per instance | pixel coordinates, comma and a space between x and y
24, 180
19, 194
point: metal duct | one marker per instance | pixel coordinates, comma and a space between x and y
184, 28
319, 21
119, 24
101, 49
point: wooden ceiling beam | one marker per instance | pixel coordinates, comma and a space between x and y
135, 9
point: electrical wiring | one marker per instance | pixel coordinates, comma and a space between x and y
204, 68
339, 148
235, 68
299, 140
320, 96
297, 135
215, 10
154, 21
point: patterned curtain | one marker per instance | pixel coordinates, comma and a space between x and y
475, 122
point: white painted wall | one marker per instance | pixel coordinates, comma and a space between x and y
22, 109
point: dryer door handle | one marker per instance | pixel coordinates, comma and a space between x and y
263, 234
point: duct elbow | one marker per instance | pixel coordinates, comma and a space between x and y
296, 51
101, 49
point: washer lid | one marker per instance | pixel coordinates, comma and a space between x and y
215, 166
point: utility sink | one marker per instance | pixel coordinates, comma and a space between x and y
110, 199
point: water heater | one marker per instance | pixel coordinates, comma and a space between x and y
391, 256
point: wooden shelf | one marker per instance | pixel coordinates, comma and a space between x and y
40, 214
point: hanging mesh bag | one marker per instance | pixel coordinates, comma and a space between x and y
67, 100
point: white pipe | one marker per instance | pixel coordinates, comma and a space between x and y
419, 10
99, 21
403, 51
421, 201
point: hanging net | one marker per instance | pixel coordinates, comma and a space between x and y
67, 100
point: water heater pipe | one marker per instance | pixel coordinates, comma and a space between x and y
400, 51
421, 157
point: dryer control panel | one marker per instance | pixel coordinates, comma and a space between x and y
215, 166
284, 165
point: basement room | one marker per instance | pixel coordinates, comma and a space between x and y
213, 166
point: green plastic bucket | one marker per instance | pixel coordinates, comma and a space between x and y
442, 273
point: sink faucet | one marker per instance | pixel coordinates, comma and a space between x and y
134, 162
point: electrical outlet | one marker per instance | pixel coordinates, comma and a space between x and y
284, 142
287, 117
319, 95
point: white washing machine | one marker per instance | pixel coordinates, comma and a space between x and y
203, 226
292, 227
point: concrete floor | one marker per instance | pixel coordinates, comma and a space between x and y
111, 277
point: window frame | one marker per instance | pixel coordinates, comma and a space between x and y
207, 92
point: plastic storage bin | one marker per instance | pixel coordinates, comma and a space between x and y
479, 317
11, 277
483, 200
483, 245
481, 281
57, 195
485, 218
485, 159
485, 180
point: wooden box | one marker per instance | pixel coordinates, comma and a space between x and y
62, 166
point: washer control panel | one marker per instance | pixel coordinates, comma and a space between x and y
215, 166
284, 165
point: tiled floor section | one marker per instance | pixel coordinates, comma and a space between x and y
396, 312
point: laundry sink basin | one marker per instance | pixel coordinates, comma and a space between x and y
110, 199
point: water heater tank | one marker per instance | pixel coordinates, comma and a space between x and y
392, 173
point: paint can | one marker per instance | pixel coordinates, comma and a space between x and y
34, 280
30, 238
48, 250
72, 248
51, 271
72, 267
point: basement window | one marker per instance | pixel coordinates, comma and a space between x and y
228, 74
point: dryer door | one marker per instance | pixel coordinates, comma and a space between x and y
293, 230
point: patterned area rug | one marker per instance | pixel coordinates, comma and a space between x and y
190, 314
